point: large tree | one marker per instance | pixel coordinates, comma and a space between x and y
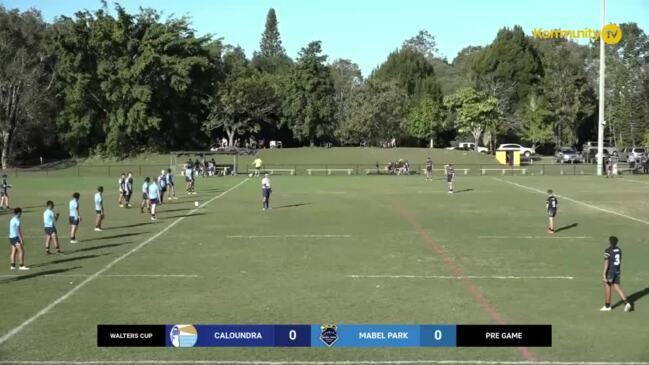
25, 77
535, 126
131, 82
347, 77
376, 114
309, 105
271, 56
426, 119
474, 111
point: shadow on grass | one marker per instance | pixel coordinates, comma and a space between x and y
462, 191
182, 215
129, 225
121, 235
564, 228
32, 275
93, 248
634, 297
70, 259
292, 205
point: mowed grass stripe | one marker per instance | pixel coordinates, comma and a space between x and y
355, 362
71, 292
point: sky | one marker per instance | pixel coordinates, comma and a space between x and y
366, 31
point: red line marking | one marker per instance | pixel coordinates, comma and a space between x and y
455, 270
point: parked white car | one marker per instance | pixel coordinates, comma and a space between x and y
632, 154
468, 146
525, 151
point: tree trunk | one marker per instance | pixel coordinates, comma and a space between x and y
4, 153
230, 133
432, 142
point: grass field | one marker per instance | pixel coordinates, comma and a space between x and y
334, 250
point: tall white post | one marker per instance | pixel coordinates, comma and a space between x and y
602, 72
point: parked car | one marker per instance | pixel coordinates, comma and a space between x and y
567, 155
632, 154
468, 146
589, 146
525, 151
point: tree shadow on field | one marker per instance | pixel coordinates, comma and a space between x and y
463, 191
32, 275
564, 228
121, 235
78, 258
92, 248
292, 205
634, 297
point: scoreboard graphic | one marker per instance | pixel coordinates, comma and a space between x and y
324, 335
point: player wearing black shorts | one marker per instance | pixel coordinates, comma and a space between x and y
551, 204
429, 169
450, 176
611, 275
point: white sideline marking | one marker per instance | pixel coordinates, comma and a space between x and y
112, 276
576, 202
498, 277
92, 277
633, 180
292, 236
542, 237
349, 362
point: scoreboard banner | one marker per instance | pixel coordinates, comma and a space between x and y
324, 335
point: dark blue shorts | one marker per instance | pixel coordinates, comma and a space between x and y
144, 196
449, 178
4, 193
613, 278
99, 212
50, 230
14, 241
266, 193
74, 221
154, 201
552, 213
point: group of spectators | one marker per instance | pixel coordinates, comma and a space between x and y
400, 167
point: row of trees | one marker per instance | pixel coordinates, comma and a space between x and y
113, 83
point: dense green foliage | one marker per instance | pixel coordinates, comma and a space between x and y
112, 83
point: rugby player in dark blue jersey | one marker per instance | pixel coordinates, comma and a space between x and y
611, 275
4, 193
121, 185
449, 171
551, 205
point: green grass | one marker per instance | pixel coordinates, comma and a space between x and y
396, 226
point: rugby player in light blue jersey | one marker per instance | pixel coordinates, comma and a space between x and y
99, 208
16, 241
171, 185
75, 217
154, 198
145, 195
49, 225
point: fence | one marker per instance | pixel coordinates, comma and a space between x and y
318, 169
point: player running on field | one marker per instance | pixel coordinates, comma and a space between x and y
154, 197
611, 275
551, 204
265, 192
99, 208
121, 183
429, 168
257, 165
4, 193
171, 185
162, 182
16, 241
145, 195
75, 217
49, 224
450, 176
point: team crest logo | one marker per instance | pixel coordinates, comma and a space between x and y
329, 334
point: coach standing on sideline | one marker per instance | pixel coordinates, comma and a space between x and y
265, 192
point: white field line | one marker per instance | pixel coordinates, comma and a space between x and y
92, 277
576, 202
633, 180
495, 277
291, 236
540, 237
112, 276
350, 362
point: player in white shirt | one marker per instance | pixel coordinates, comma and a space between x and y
265, 192
99, 208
